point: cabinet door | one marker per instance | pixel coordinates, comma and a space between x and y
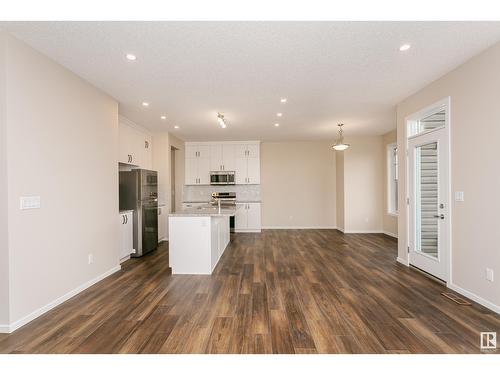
253, 171
203, 171
191, 171
204, 152
124, 142
126, 235
241, 217
228, 158
191, 152
240, 171
216, 157
147, 152
253, 151
240, 151
253, 212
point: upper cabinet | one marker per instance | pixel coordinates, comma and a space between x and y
222, 157
241, 157
197, 165
247, 164
135, 146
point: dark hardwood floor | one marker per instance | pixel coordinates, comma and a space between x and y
286, 291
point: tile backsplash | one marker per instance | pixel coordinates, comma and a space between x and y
192, 193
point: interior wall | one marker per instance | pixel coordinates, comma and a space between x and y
363, 181
389, 221
162, 144
475, 114
179, 169
340, 199
62, 142
4, 248
298, 185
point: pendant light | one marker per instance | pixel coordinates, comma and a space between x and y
221, 120
339, 143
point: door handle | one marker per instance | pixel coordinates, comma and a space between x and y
439, 216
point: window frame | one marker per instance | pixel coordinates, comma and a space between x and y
392, 195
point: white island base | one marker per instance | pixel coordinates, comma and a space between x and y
196, 243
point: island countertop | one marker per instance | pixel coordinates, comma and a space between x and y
205, 211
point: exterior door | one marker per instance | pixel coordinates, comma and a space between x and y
429, 223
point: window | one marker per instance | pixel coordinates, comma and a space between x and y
428, 123
392, 179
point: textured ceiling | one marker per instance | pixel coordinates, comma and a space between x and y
351, 72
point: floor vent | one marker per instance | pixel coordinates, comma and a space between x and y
456, 299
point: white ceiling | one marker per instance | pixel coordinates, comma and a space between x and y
330, 72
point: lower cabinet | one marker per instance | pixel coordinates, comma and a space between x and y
247, 218
126, 235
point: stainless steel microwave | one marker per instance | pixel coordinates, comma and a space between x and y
222, 178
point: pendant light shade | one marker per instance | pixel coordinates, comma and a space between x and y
221, 120
339, 143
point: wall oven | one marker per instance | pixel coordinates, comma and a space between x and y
222, 178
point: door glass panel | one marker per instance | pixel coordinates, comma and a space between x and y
434, 121
426, 199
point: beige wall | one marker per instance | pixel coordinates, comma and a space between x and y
363, 179
298, 185
340, 199
4, 249
473, 89
389, 222
162, 144
62, 144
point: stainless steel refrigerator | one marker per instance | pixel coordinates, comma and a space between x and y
139, 192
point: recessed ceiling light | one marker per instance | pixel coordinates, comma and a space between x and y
276, 124
176, 127
131, 57
283, 100
145, 104
279, 114
404, 47
163, 117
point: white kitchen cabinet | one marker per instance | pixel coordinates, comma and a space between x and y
197, 165
241, 157
126, 220
135, 146
253, 212
247, 217
222, 157
247, 164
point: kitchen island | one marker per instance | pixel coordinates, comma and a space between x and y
198, 238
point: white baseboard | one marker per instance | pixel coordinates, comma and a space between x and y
247, 231
390, 234
402, 261
355, 231
4, 328
42, 310
475, 298
288, 227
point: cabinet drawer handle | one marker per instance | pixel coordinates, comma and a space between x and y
123, 219
126, 219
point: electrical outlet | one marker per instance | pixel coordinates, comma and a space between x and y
489, 274
91, 258
459, 196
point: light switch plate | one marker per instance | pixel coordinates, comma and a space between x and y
459, 196
489, 274
29, 203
